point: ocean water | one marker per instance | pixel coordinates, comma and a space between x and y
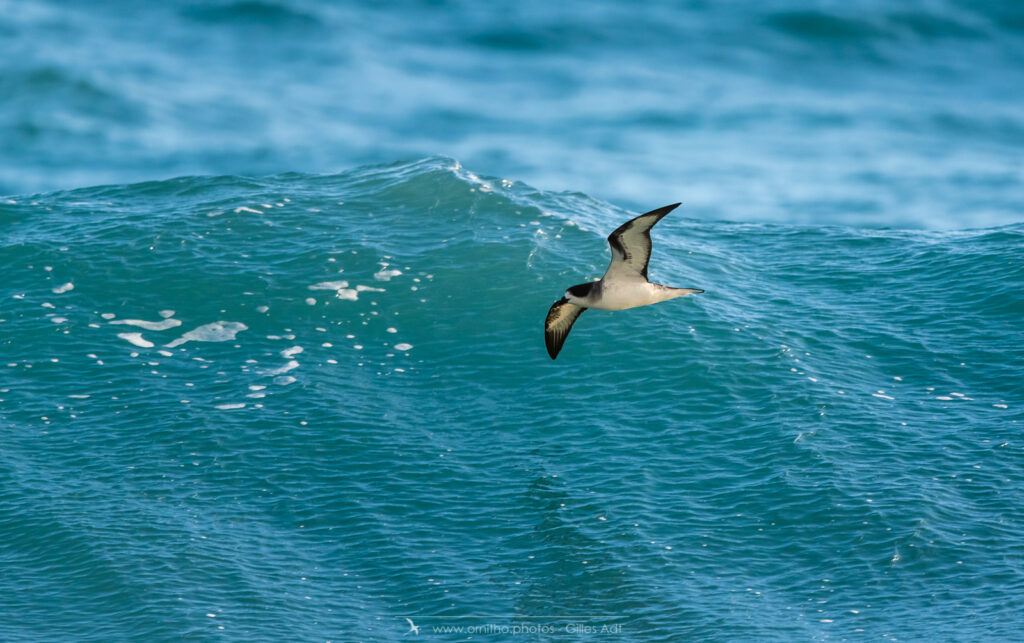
854, 113
274, 277
321, 404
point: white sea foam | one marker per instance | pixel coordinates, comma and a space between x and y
289, 353
218, 331
228, 407
329, 285
290, 366
403, 347
64, 288
136, 339
340, 288
149, 325
386, 275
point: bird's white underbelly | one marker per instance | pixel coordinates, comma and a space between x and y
619, 295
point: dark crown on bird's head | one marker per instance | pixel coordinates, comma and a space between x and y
581, 290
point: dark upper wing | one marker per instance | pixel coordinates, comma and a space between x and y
631, 242
560, 319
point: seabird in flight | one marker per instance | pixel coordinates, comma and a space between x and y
624, 284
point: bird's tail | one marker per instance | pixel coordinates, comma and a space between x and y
664, 293
682, 292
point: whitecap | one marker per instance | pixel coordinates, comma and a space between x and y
64, 288
403, 347
228, 407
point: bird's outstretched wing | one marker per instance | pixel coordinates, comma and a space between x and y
631, 244
560, 319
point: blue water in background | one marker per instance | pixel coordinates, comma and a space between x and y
274, 277
862, 113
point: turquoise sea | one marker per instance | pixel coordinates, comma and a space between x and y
274, 278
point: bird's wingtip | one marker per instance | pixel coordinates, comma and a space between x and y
663, 210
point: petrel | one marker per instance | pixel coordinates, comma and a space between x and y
624, 284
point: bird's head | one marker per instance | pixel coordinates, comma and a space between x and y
579, 293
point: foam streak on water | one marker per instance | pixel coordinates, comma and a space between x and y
826, 444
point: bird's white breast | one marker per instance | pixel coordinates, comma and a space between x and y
622, 294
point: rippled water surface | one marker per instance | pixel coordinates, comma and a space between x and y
322, 404
274, 275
